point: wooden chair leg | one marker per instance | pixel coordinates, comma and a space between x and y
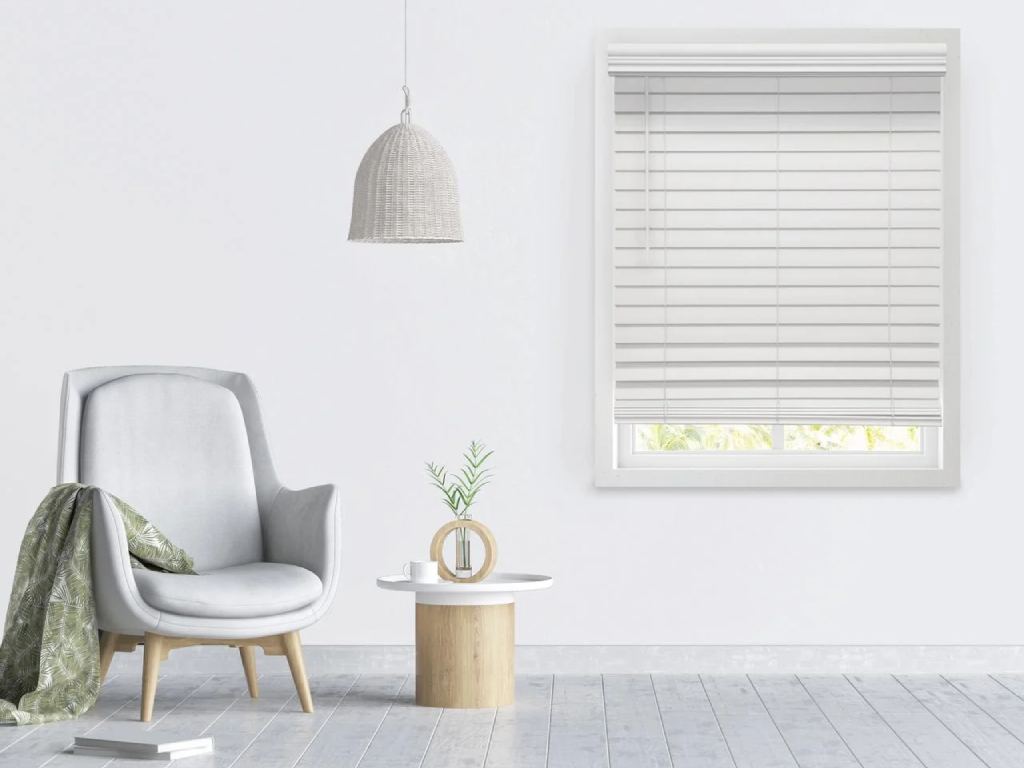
248, 654
293, 650
108, 641
153, 653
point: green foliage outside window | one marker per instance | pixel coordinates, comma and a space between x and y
846, 437
758, 437
704, 437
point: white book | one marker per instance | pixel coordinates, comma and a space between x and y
139, 742
173, 754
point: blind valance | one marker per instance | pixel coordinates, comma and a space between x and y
777, 245
661, 59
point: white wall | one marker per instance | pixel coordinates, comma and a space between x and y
175, 182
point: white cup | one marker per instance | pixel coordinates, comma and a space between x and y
421, 571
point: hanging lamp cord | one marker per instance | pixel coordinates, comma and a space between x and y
407, 111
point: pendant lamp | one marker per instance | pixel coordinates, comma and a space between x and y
405, 190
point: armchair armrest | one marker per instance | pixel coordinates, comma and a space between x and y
303, 528
119, 606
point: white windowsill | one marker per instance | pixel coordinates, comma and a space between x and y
776, 468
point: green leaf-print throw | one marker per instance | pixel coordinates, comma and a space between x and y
50, 657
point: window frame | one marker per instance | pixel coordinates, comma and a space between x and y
776, 457
937, 466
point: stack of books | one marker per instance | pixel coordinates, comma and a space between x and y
139, 744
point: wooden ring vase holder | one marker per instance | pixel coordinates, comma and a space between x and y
490, 548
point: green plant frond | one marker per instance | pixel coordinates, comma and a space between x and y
471, 476
476, 458
449, 490
470, 497
461, 488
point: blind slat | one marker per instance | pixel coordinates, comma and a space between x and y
777, 249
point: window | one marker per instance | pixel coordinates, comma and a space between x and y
776, 258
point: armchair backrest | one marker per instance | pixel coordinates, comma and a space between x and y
184, 446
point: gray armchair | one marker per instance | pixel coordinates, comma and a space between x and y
186, 447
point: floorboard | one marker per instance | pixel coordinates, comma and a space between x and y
39, 744
694, 737
810, 736
461, 739
635, 732
933, 743
405, 733
173, 719
117, 703
1012, 683
567, 721
242, 720
995, 698
519, 738
871, 739
350, 728
754, 740
983, 735
190, 716
292, 730
579, 733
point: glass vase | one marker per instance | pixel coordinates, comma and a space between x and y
463, 558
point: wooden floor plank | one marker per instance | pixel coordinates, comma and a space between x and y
927, 737
519, 738
993, 697
1013, 683
9, 734
461, 739
117, 703
190, 716
983, 735
292, 730
635, 733
620, 721
349, 730
694, 737
869, 737
195, 714
404, 734
810, 736
753, 739
46, 743
240, 721
578, 737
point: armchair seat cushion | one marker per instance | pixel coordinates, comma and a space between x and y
239, 591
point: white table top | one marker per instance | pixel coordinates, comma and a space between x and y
495, 589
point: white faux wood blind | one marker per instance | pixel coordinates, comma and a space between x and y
778, 248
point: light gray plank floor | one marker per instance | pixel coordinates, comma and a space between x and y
870, 738
812, 739
635, 733
405, 732
991, 695
48, 744
694, 736
590, 721
933, 743
754, 739
520, 735
979, 731
578, 734
347, 734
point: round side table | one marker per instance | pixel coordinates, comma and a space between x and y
465, 638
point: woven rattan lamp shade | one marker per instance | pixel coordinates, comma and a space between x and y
405, 191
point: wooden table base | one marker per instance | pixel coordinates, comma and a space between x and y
465, 655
